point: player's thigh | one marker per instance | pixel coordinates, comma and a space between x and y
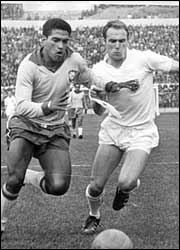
133, 165
56, 164
80, 119
18, 158
19, 155
106, 160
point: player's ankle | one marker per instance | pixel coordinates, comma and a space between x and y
3, 224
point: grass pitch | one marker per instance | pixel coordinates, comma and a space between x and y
151, 219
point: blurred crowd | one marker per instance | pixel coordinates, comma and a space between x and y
11, 11
134, 11
17, 42
15, 11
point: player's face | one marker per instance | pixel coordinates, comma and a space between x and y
77, 88
116, 44
55, 44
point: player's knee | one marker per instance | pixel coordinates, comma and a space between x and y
57, 187
14, 184
127, 183
80, 123
95, 189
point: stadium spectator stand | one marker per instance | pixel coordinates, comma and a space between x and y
11, 11
16, 42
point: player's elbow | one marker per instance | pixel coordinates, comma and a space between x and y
98, 112
27, 109
19, 109
98, 109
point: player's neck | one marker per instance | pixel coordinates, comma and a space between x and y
50, 64
115, 63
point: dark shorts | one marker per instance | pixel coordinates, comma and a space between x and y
75, 113
51, 137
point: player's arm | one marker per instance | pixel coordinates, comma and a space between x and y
23, 93
87, 77
156, 62
84, 103
98, 109
98, 90
97, 94
24, 88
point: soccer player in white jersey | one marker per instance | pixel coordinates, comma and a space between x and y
77, 107
133, 134
10, 104
37, 129
10, 109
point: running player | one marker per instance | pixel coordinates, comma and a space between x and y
37, 129
10, 104
77, 109
131, 133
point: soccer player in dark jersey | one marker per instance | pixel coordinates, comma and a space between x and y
38, 129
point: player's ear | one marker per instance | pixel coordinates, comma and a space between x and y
43, 40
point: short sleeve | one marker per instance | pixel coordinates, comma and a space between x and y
157, 62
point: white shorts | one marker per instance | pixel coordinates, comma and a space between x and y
144, 137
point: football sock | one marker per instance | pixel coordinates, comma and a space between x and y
80, 131
137, 186
7, 201
74, 131
94, 203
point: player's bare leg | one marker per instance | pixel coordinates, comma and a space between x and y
133, 166
106, 160
80, 128
18, 158
55, 179
74, 127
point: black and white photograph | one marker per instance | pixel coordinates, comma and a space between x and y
89, 124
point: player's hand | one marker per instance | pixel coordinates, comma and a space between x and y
97, 93
59, 103
112, 87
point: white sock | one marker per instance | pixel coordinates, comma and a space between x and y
80, 131
94, 203
70, 123
137, 186
33, 177
6, 205
74, 131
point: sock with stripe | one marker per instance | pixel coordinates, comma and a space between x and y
7, 201
94, 203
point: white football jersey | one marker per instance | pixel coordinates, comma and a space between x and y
137, 107
76, 99
10, 104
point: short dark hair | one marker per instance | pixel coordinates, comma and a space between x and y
117, 24
55, 23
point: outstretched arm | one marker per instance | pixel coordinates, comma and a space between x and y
88, 78
98, 109
94, 93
